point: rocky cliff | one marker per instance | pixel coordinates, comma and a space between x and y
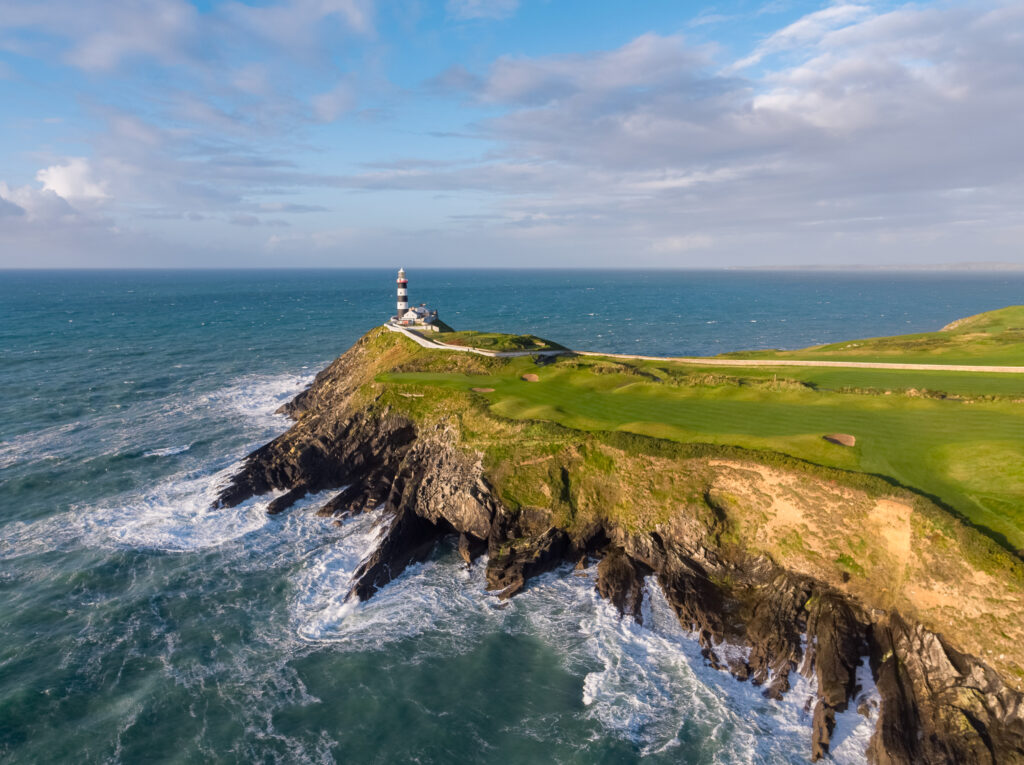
738, 546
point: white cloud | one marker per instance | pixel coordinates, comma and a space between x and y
297, 24
482, 9
856, 132
160, 30
36, 205
7, 207
854, 142
327, 107
648, 61
73, 180
806, 30
675, 244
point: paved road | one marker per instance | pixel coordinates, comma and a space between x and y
426, 343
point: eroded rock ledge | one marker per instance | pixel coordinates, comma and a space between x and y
938, 705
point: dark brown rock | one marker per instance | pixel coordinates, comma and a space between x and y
513, 561
406, 538
286, 500
835, 644
958, 709
822, 725
471, 548
621, 581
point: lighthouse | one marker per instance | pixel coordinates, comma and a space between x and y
403, 294
420, 317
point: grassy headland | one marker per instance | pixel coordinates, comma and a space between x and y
651, 447
956, 436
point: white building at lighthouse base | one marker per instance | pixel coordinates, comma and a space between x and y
419, 317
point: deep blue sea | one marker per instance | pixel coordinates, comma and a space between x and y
139, 626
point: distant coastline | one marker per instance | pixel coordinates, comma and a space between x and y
898, 267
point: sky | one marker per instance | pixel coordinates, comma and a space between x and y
510, 133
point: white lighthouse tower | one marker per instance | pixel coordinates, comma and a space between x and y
403, 294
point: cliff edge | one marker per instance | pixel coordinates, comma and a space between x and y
748, 546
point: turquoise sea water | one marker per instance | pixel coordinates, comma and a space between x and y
138, 625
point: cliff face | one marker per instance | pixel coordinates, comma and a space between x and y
715, 532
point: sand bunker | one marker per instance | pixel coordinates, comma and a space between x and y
482, 390
842, 439
531, 378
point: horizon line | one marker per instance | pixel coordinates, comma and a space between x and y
845, 268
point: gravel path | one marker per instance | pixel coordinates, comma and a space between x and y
716, 362
797, 363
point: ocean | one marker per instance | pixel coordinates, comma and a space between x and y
138, 625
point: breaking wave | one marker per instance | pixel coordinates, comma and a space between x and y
167, 451
647, 685
176, 513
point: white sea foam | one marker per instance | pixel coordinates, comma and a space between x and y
650, 684
46, 443
253, 399
321, 607
645, 684
168, 451
176, 513
435, 596
257, 397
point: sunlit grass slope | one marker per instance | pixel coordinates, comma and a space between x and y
496, 341
956, 436
992, 338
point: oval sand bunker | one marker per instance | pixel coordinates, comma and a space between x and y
843, 439
482, 390
531, 378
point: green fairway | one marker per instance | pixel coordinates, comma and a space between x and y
993, 338
968, 453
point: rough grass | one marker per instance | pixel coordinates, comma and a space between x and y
494, 341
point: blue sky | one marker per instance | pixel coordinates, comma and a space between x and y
510, 133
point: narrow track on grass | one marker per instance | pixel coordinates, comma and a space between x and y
704, 361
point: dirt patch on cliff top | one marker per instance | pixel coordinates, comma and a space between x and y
892, 521
881, 550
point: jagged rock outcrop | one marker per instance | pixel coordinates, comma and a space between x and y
836, 641
937, 705
620, 580
959, 709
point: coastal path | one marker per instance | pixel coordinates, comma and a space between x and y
703, 361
